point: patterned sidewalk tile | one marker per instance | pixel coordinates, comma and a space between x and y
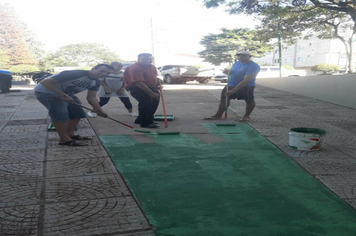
20, 171
19, 220
21, 192
114, 216
19, 156
85, 188
65, 152
22, 144
24, 128
342, 185
5, 136
328, 165
80, 167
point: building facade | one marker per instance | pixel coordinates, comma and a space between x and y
305, 54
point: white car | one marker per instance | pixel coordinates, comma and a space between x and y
221, 77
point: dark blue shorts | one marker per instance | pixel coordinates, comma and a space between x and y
245, 93
59, 110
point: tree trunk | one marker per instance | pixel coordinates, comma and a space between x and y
351, 57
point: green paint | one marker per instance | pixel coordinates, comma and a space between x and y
243, 186
225, 124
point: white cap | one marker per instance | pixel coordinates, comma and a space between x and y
243, 53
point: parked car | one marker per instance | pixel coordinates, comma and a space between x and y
273, 71
221, 77
179, 74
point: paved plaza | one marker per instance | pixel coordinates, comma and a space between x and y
48, 189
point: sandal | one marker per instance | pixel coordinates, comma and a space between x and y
72, 143
244, 120
78, 137
211, 118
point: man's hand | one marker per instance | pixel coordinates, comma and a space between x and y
120, 92
229, 93
154, 95
102, 114
67, 98
108, 91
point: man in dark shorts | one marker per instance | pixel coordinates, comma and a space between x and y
57, 94
241, 83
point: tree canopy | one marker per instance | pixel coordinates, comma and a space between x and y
12, 40
79, 55
222, 48
299, 18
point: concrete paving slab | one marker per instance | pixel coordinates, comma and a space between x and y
79, 188
22, 156
55, 190
108, 216
79, 167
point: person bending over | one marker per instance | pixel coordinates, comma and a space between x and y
57, 94
142, 82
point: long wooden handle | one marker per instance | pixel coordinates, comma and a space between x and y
164, 108
106, 117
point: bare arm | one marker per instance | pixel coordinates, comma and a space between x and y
121, 90
50, 84
147, 90
93, 101
106, 87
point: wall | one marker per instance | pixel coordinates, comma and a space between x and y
337, 89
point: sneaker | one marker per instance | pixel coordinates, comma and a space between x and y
133, 114
91, 114
152, 126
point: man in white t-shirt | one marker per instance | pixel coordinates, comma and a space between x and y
113, 86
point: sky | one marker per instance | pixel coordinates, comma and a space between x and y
127, 27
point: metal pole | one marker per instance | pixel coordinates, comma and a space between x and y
152, 38
279, 49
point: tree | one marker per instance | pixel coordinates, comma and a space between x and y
12, 40
300, 18
3, 60
22, 69
79, 55
35, 46
222, 48
324, 67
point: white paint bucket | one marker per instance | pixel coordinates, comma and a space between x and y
306, 139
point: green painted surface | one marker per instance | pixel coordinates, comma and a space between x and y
243, 186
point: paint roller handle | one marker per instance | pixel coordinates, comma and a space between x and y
120, 122
88, 108
105, 117
164, 107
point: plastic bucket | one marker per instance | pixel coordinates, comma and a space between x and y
306, 139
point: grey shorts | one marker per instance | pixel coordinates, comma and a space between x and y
245, 93
59, 110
